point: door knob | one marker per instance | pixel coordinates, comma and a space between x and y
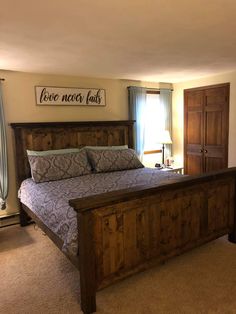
201, 151
205, 151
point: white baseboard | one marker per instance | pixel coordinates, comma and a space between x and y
9, 220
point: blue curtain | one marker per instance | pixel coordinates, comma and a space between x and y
137, 101
3, 156
166, 103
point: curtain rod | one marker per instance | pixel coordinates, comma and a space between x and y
171, 89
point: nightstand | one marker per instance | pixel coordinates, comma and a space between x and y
172, 169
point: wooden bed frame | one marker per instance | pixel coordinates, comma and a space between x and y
127, 231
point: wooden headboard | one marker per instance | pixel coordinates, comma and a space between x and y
56, 135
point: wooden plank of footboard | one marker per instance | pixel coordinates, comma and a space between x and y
87, 263
232, 217
135, 229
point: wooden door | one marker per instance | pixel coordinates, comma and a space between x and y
206, 128
194, 124
216, 128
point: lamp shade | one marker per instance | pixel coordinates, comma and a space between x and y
164, 137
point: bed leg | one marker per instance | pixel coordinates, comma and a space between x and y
87, 263
232, 234
88, 304
24, 218
232, 237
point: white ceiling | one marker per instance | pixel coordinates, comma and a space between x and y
152, 40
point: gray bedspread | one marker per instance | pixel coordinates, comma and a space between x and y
49, 200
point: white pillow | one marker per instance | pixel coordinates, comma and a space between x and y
52, 152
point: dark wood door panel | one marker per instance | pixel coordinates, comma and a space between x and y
195, 100
213, 163
193, 164
194, 149
214, 128
194, 127
214, 151
216, 96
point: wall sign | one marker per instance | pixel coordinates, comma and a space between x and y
69, 96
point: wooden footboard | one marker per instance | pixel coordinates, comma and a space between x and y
124, 232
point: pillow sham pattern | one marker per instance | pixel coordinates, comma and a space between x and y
57, 167
113, 160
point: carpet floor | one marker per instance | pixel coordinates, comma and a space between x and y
35, 277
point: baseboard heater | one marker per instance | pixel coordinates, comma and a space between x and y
8, 220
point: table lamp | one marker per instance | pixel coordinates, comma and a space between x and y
164, 138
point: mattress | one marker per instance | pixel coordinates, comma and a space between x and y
50, 200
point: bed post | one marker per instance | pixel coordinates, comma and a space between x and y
87, 262
232, 235
24, 218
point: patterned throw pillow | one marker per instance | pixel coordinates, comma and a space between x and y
57, 167
113, 160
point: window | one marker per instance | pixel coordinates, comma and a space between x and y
154, 122
151, 111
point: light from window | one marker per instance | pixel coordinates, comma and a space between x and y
154, 121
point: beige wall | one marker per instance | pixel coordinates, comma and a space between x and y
19, 106
178, 113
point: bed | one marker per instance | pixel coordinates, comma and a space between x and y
128, 230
